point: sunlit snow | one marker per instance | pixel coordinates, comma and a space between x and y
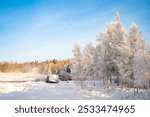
33, 86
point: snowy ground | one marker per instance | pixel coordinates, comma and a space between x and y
32, 86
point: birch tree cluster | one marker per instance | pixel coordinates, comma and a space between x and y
120, 58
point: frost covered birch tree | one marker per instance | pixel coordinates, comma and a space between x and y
82, 63
111, 46
77, 67
105, 59
97, 63
140, 58
87, 58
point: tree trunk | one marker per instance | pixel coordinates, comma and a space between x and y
117, 80
148, 89
94, 82
103, 80
110, 79
81, 84
137, 90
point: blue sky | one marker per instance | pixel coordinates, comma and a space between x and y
47, 29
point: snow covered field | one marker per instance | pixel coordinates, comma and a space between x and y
33, 86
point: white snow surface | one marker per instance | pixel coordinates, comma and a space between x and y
21, 77
34, 87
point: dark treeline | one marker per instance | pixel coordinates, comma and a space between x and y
44, 67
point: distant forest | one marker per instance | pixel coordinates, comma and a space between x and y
44, 67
